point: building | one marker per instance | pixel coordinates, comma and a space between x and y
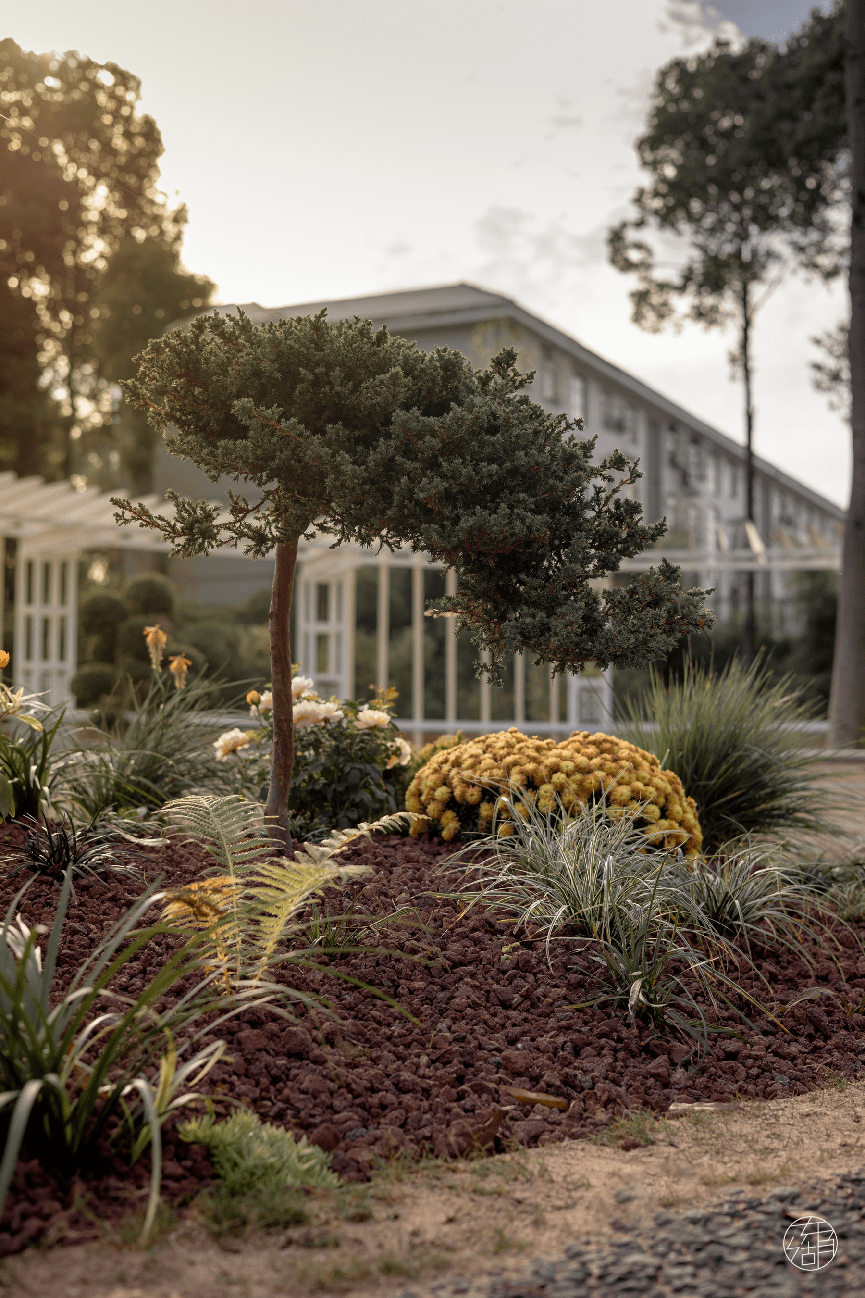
359, 617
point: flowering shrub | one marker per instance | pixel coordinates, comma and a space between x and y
348, 757
459, 790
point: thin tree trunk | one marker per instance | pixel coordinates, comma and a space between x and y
847, 701
276, 810
749, 630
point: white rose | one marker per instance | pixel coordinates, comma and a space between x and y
403, 756
231, 741
301, 685
369, 718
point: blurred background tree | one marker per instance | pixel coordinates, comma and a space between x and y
742, 190
89, 265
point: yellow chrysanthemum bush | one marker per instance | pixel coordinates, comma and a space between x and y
461, 789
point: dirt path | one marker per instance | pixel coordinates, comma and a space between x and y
473, 1219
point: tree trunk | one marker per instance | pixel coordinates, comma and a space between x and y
276, 810
847, 701
749, 630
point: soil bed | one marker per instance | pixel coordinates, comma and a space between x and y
488, 1017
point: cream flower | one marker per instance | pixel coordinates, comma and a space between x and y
369, 718
231, 741
311, 712
403, 756
301, 685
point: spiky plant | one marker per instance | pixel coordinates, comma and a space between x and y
736, 739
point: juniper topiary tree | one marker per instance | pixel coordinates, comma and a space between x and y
364, 437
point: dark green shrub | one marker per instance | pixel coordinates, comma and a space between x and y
99, 617
215, 641
150, 593
131, 645
92, 682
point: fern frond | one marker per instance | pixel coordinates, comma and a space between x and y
213, 905
201, 904
281, 888
231, 829
340, 838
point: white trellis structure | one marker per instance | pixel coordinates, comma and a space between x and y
326, 632
44, 528
47, 526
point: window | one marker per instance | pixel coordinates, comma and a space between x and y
577, 405
618, 415
548, 377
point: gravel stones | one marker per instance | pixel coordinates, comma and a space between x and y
708, 1253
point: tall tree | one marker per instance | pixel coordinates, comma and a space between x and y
368, 439
726, 204
78, 179
847, 700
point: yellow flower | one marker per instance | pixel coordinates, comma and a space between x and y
4, 659
156, 638
179, 665
252, 697
576, 771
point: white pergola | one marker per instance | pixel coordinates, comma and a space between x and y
53, 523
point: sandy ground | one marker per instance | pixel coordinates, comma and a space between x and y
492, 1216
476, 1218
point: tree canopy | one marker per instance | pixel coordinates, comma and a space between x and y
346, 430
78, 185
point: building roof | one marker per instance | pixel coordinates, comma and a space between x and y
444, 305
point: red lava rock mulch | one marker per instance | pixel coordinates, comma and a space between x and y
373, 1082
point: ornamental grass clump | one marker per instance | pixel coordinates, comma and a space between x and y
587, 878
737, 739
462, 789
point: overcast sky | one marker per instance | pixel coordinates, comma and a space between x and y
335, 147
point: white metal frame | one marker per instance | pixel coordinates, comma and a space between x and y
326, 585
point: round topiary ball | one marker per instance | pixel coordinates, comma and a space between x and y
150, 593
460, 789
93, 682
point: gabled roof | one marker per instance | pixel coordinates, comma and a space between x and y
405, 310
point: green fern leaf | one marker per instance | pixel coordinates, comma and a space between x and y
281, 888
231, 829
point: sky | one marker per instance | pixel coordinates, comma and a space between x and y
330, 148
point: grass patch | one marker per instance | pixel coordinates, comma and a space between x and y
503, 1243
641, 1127
226, 1214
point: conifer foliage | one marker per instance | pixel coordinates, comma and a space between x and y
347, 431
